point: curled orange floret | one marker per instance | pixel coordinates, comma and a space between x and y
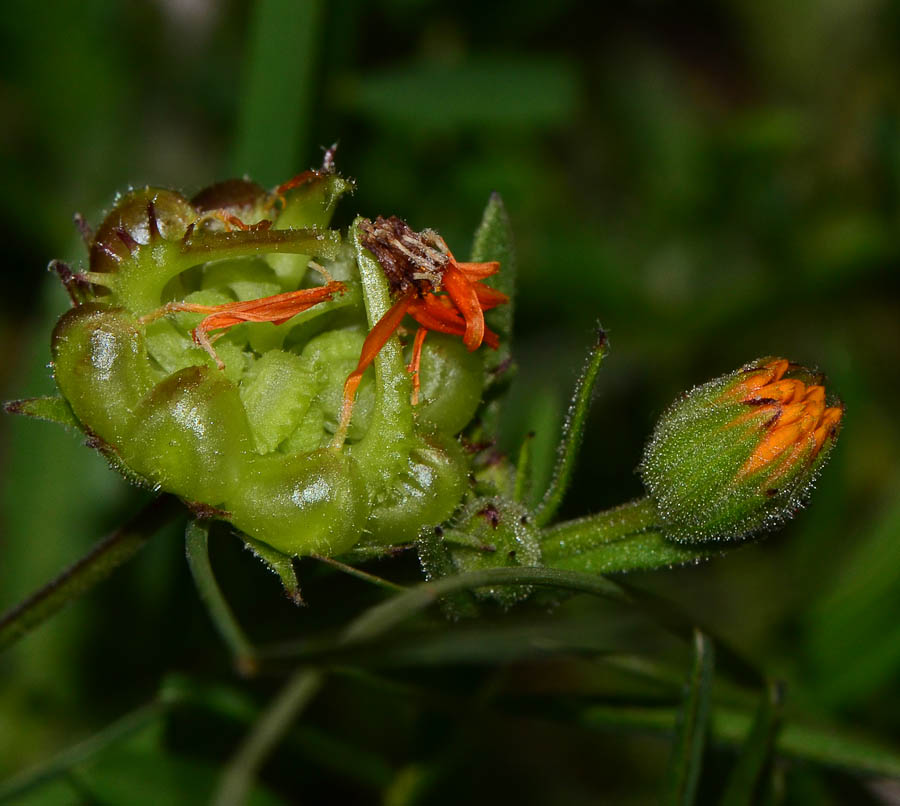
799, 420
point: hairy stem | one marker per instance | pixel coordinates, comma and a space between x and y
93, 567
576, 537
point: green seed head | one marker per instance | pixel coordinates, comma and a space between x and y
242, 416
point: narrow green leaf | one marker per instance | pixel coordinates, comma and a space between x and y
52, 408
196, 540
573, 431
744, 783
680, 784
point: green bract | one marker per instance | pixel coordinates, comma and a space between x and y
252, 441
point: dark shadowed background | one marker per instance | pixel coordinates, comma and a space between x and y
712, 181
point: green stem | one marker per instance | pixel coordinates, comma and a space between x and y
93, 567
573, 430
644, 551
265, 736
196, 539
387, 615
576, 537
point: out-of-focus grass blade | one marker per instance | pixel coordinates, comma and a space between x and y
826, 745
743, 787
683, 774
277, 91
126, 762
854, 636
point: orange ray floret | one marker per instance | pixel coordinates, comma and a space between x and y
277, 309
800, 421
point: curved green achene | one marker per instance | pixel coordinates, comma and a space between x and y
573, 430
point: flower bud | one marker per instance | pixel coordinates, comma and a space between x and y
740, 453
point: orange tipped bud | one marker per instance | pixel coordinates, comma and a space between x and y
740, 453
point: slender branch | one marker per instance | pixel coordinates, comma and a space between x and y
196, 540
93, 567
573, 430
383, 617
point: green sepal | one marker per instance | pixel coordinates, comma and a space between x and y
278, 563
52, 408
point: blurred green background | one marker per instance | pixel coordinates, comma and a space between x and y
712, 181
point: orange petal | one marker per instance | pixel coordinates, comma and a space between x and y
464, 297
478, 271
